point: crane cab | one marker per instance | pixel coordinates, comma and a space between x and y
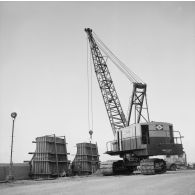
146, 139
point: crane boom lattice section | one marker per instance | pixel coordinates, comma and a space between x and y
113, 107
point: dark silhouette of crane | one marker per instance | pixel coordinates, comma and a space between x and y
136, 138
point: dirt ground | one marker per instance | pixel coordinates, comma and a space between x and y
177, 183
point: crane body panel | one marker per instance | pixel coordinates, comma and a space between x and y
146, 139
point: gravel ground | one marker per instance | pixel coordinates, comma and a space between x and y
177, 183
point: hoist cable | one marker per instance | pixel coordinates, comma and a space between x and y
89, 90
120, 65
131, 75
91, 81
111, 57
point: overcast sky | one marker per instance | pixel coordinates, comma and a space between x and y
43, 68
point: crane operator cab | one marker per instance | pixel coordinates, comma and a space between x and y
146, 139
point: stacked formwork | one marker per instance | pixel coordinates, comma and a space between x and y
50, 158
86, 160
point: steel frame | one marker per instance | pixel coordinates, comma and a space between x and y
113, 107
137, 100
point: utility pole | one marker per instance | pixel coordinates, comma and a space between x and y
11, 176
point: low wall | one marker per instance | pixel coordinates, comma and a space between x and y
20, 171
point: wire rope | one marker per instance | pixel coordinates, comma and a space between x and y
91, 95
89, 90
118, 63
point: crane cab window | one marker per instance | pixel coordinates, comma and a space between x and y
145, 134
171, 134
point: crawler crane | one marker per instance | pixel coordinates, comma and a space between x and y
135, 137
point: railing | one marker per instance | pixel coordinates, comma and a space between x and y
178, 138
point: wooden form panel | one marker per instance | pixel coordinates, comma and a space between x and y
50, 157
86, 160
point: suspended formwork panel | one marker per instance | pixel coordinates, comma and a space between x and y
86, 160
50, 157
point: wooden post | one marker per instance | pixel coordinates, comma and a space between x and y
56, 155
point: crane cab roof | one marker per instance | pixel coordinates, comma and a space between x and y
153, 125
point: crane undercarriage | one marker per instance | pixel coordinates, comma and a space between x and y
146, 167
